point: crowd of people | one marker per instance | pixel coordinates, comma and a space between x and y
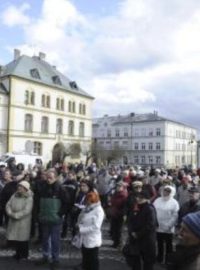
159, 207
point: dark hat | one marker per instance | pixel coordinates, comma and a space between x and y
193, 189
192, 220
168, 189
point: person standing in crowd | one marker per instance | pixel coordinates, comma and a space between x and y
19, 209
182, 194
187, 255
192, 205
71, 186
85, 187
167, 214
53, 202
142, 223
117, 211
10, 187
89, 226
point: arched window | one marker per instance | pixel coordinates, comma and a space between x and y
45, 124
81, 129
28, 125
59, 126
71, 128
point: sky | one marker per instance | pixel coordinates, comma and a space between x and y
131, 55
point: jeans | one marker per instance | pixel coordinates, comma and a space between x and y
51, 241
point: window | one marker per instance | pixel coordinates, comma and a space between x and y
74, 107
59, 126
109, 133
71, 128
80, 108
48, 102
62, 105
28, 123
43, 101
116, 143
56, 80
143, 159
150, 160
37, 148
35, 73
157, 146
136, 160
26, 101
58, 104
158, 159
151, 132
125, 142
136, 132
143, 133
117, 132
84, 109
150, 146
81, 129
32, 101
45, 124
136, 146
158, 132
69, 106
29, 98
143, 146
125, 132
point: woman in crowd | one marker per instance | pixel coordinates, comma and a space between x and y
167, 213
89, 225
19, 209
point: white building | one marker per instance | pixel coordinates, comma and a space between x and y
39, 107
147, 139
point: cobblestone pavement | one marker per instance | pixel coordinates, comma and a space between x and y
110, 258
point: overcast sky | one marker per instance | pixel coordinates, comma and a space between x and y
131, 55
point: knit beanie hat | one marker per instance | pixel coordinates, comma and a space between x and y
25, 184
192, 220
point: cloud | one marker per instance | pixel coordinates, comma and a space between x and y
13, 16
139, 58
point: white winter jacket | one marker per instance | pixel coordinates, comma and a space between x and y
167, 212
89, 222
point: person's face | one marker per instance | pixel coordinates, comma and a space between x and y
194, 196
187, 237
166, 193
84, 188
21, 189
51, 178
138, 188
7, 176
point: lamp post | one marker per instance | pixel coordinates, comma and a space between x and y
191, 142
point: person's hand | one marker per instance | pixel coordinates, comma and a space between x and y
134, 235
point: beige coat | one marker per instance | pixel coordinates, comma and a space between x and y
19, 210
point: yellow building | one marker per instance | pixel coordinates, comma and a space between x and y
39, 107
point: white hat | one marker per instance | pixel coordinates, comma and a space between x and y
25, 184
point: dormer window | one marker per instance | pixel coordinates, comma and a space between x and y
56, 80
35, 73
73, 85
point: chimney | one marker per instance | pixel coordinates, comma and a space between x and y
16, 54
42, 56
